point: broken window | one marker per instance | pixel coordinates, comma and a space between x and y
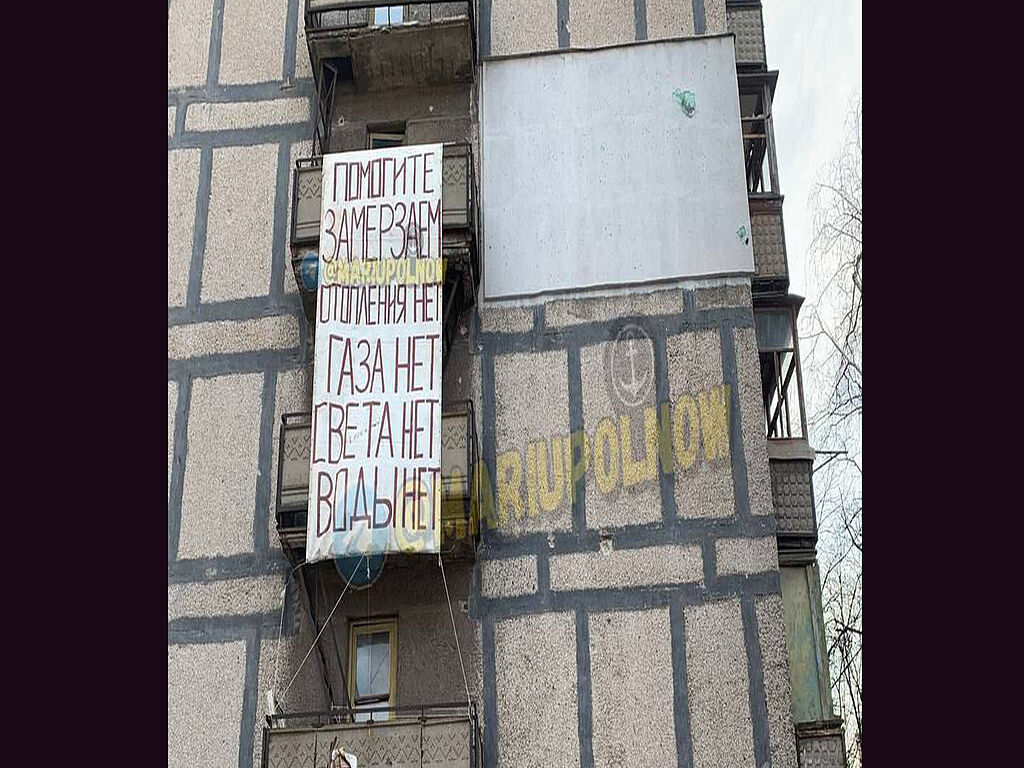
758, 135
780, 372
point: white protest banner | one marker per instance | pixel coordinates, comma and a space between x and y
375, 453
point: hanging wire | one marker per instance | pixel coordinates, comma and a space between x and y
327, 623
280, 626
465, 680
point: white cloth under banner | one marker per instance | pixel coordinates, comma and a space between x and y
375, 437
342, 759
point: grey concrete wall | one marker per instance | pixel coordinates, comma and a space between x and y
238, 112
611, 599
509, 27
411, 590
439, 113
630, 601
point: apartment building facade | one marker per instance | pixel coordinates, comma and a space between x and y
627, 571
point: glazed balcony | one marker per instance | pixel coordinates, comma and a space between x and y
460, 454
459, 216
383, 46
743, 18
438, 736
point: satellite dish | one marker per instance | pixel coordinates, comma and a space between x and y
363, 571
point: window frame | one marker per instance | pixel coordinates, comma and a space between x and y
791, 306
391, 135
369, 627
759, 129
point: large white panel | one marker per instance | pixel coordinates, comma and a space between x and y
595, 175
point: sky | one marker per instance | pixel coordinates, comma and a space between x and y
816, 47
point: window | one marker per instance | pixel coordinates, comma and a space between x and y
379, 140
372, 667
387, 15
758, 136
780, 373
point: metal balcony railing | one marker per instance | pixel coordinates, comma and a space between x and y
434, 735
768, 238
460, 455
329, 15
400, 36
459, 210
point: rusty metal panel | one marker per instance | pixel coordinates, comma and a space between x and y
792, 496
821, 747
746, 23
769, 243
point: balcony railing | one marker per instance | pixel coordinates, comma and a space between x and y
743, 19
424, 737
460, 453
820, 744
790, 463
459, 197
386, 45
768, 238
459, 216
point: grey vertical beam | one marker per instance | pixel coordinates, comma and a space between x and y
178, 456
216, 34
563, 23
195, 268
680, 689
666, 475
291, 38
755, 673
261, 515
730, 375
699, 25
584, 689
279, 242
250, 695
579, 503
640, 18
490, 731
484, 28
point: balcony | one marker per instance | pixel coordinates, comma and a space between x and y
743, 19
460, 454
756, 91
820, 744
459, 216
440, 736
790, 464
768, 238
383, 46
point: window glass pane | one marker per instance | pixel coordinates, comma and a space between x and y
373, 665
380, 140
774, 329
390, 14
